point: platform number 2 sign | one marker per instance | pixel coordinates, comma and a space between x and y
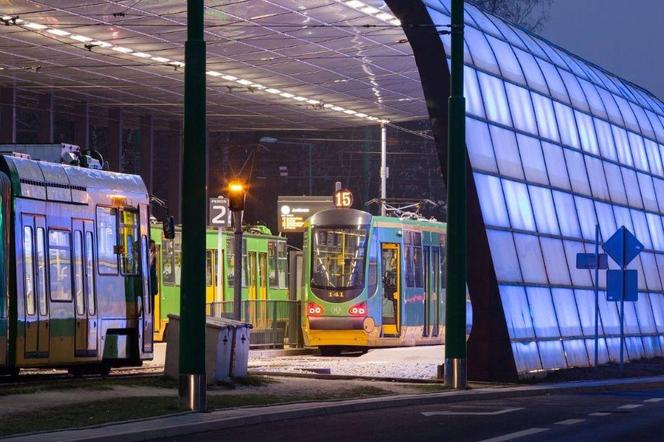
218, 213
343, 198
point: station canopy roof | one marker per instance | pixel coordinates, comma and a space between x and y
272, 64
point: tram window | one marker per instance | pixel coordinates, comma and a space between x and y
130, 251
373, 267
168, 262
209, 272
28, 271
338, 258
278, 264
41, 270
418, 266
282, 264
89, 272
272, 259
230, 262
177, 257
408, 267
413, 263
107, 261
78, 273
59, 265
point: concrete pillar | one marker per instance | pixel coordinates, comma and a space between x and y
114, 153
45, 131
147, 150
174, 152
82, 126
7, 115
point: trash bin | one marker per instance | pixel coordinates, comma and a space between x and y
240, 358
226, 348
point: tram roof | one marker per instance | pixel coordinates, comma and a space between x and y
60, 182
315, 53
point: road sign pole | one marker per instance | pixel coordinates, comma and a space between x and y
596, 293
220, 268
623, 281
237, 268
192, 302
457, 244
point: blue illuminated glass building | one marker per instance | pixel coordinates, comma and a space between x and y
555, 145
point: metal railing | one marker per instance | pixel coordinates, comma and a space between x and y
275, 323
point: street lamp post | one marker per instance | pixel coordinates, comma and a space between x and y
455, 334
192, 302
383, 168
236, 197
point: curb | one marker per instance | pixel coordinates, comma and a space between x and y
277, 352
192, 423
348, 377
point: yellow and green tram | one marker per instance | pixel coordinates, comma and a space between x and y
74, 268
264, 273
372, 281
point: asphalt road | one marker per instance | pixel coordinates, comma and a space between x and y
614, 416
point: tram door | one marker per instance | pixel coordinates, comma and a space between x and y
262, 290
34, 287
427, 292
252, 288
390, 258
210, 281
434, 306
85, 334
156, 305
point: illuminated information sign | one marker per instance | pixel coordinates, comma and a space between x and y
294, 210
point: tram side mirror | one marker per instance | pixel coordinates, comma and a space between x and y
169, 228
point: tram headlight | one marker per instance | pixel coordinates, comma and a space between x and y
314, 309
358, 309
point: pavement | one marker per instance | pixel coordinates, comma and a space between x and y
616, 416
553, 411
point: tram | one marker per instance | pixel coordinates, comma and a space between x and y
264, 273
74, 268
372, 281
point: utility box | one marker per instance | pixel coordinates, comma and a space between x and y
226, 348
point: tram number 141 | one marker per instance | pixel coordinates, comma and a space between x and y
343, 198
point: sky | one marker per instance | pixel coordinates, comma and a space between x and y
624, 37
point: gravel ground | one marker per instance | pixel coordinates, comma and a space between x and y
408, 362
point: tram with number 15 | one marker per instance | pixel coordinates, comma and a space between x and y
372, 281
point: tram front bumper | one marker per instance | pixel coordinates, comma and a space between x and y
336, 331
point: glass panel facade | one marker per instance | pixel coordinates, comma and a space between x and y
558, 146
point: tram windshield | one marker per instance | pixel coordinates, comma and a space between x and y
338, 257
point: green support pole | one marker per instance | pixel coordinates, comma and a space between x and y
192, 300
455, 313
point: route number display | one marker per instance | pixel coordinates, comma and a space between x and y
343, 198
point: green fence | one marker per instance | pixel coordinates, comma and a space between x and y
275, 323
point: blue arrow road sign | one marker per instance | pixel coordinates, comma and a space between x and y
617, 289
622, 247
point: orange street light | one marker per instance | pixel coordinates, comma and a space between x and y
237, 191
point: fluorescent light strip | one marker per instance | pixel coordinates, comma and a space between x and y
355, 4
372, 12
122, 49
81, 38
36, 26
58, 32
